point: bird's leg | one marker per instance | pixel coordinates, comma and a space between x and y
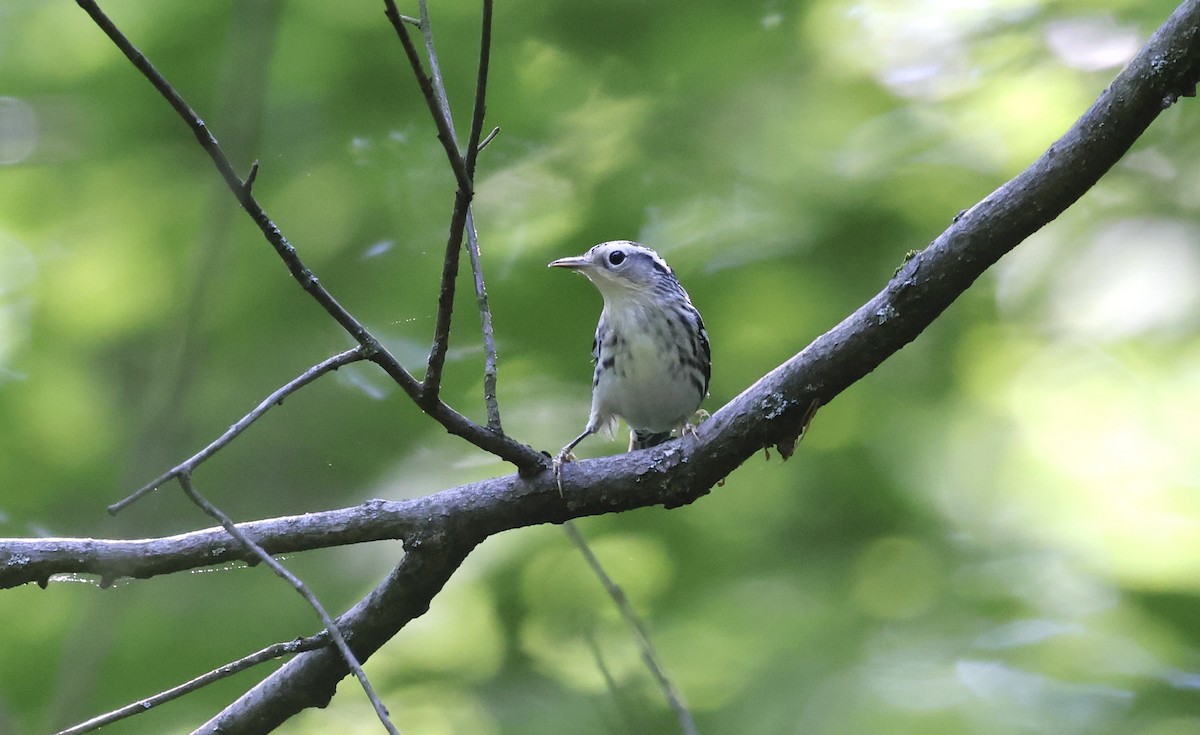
566, 456
697, 418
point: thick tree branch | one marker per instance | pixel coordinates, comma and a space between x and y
310, 680
37, 560
335, 634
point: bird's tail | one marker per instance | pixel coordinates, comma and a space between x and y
647, 439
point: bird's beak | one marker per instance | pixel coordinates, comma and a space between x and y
575, 263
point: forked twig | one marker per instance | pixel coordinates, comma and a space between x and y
185, 481
270, 653
485, 313
276, 398
464, 170
525, 458
241, 189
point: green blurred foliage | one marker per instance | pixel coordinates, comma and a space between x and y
996, 531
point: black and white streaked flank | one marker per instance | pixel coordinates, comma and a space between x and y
651, 348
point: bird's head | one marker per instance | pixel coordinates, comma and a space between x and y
623, 269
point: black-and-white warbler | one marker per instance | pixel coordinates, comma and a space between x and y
652, 361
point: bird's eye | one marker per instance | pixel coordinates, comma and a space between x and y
616, 257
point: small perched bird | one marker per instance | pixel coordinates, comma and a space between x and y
652, 361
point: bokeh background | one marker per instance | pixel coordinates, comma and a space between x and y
998, 531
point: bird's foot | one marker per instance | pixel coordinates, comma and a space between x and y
563, 457
697, 418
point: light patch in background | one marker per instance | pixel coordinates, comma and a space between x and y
920, 49
717, 654
324, 231
912, 672
1137, 276
728, 231
433, 708
18, 271
1091, 43
18, 130
461, 637
53, 46
1048, 583
1106, 460
65, 417
1039, 702
601, 135
572, 628
897, 578
1022, 111
542, 67
528, 206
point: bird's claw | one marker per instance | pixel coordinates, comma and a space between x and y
563, 457
697, 418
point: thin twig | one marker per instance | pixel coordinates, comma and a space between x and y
464, 169
310, 679
275, 399
627, 722
490, 374
488, 138
638, 626
286, 251
185, 481
485, 314
270, 653
479, 112
445, 132
525, 458
472, 153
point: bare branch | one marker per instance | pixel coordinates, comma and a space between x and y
480, 110
270, 653
488, 139
286, 251
309, 679
461, 218
485, 314
638, 626
348, 658
275, 399
23, 561
490, 374
445, 131
525, 458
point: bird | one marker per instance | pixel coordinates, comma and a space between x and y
651, 353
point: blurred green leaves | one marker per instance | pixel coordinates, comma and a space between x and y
996, 531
